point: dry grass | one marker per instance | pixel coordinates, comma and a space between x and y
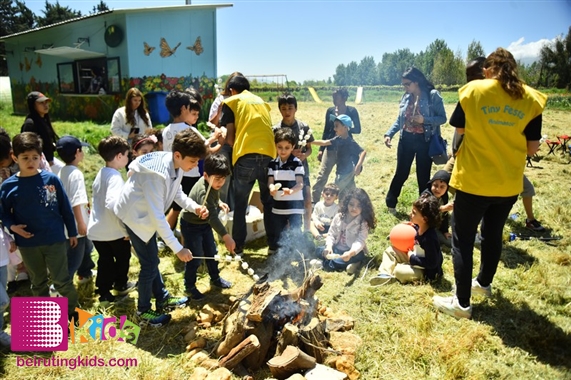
523, 331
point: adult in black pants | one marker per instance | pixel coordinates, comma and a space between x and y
500, 118
421, 112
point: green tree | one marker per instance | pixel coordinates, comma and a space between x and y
367, 72
16, 17
54, 13
393, 65
352, 74
448, 68
475, 50
531, 74
340, 76
556, 61
101, 7
426, 60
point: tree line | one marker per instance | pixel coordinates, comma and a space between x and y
438, 62
442, 66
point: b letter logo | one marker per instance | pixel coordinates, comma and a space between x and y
39, 324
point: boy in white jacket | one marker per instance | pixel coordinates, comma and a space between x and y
154, 183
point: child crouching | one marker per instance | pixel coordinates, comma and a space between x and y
422, 257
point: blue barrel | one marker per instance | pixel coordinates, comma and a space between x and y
157, 108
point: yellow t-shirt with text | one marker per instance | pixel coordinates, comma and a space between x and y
491, 160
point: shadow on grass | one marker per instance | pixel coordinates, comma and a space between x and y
520, 326
514, 257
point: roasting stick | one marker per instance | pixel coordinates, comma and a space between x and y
207, 192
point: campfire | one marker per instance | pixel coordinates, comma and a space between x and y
290, 332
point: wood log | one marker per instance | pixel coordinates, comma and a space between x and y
314, 334
265, 333
291, 361
233, 331
307, 290
288, 337
261, 300
241, 351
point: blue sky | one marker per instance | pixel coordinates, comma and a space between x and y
308, 39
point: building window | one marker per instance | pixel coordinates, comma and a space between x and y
90, 76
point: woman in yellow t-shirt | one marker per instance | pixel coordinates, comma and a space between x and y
500, 118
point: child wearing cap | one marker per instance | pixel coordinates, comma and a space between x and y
35, 208
415, 252
38, 121
438, 186
79, 259
345, 150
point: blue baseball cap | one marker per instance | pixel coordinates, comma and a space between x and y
345, 120
69, 145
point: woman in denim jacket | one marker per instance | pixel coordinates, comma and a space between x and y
420, 115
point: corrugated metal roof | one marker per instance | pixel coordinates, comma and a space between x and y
130, 10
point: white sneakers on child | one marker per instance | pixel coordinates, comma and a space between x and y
316, 265
382, 279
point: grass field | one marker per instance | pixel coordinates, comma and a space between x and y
523, 331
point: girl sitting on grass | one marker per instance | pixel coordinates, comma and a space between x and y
345, 245
423, 259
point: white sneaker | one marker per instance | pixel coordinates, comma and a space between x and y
316, 264
5, 339
480, 290
353, 268
450, 306
54, 292
382, 279
392, 211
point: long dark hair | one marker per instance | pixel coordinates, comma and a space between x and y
141, 110
504, 68
41, 121
415, 75
367, 209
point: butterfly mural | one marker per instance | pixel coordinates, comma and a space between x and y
28, 64
148, 49
39, 60
197, 47
166, 50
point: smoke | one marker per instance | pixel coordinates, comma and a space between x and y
292, 258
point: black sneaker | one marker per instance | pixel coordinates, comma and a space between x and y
153, 318
534, 225
107, 298
12, 287
126, 289
221, 283
172, 303
195, 294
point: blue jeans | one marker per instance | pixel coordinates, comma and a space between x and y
411, 145
150, 279
338, 264
469, 209
200, 240
4, 299
79, 258
247, 170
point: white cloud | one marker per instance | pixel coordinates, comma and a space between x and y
529, 52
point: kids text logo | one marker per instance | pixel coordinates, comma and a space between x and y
40, 324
